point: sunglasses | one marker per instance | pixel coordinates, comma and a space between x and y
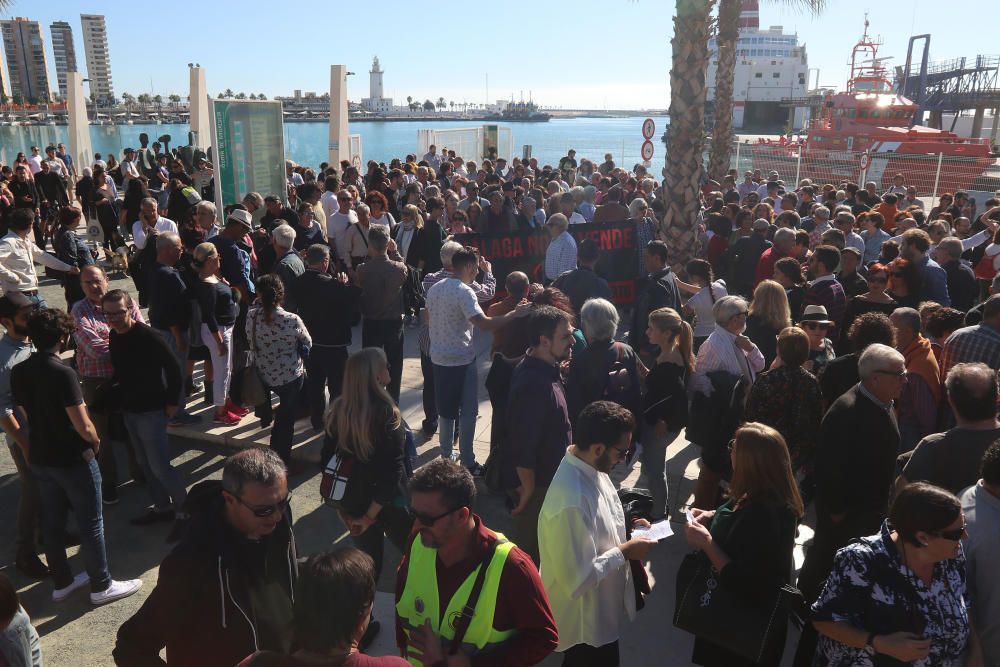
814, 325
427, 520
953, 535
897, 374
624, 454
264, 511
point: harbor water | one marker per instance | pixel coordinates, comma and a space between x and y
306, 143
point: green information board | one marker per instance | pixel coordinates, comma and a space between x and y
249, 150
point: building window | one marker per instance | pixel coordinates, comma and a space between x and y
758, 75
776, 75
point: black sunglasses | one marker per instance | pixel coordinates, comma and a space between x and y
954, 535
429, 521
625, 454
264, 511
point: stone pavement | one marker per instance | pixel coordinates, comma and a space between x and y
73, 633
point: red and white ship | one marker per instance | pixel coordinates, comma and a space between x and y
870, 117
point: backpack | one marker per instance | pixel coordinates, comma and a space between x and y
619, 385
333, 487
414, 296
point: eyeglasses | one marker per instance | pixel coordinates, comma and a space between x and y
264, 511
954, 535
897, 374
114, 313
624, 453
429, 521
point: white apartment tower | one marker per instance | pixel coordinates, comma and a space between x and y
26, 62
95, 47
375, 102
64, 52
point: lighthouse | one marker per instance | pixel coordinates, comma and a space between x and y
375, 102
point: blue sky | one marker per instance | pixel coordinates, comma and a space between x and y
586, 54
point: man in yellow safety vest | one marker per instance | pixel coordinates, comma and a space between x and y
465, 595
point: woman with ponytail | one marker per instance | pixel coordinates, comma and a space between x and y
704, 291
280, 343
665, 406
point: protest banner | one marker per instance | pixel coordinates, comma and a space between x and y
525, 251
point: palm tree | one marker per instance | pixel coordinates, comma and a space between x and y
727, 37
685, 133
228, 92
175, 99
158, 101
241, 96
441, 104
409, 101
143, 100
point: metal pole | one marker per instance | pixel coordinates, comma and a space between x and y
737, 156
937, 175
798, 168
623, 154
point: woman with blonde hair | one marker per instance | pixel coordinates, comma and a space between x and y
749, 539
218, 316
665, 405
769, 314
363, 425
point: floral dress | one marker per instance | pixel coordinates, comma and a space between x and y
871, 589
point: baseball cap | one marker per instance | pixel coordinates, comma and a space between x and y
241, 217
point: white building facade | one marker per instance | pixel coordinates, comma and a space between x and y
95, 48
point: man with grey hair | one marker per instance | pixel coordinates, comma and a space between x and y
150, 223
253, 201
204, 216
820, 224
381, 281
784, 246
226, 590
356, 237
963, 287
560, 256
289, 265
329, 306
951, 459
855, 467
170, 309
484, 288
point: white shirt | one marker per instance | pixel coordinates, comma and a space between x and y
139, 233
295, 178
129, 171
560, 256
328, 200
720, 353
35, 164
451, 305
701, 303
581, 528
336, 227
17, 263
576, 218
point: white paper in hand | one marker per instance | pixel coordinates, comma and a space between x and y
658, 531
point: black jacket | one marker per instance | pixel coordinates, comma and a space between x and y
657, 290
328, 307
581, 284
963, 287
745, 254
202, 609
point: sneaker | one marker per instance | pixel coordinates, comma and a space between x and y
238, 410
79, 581
184, 420
116, 591
152, 516
476, 470
31, 566
227, 418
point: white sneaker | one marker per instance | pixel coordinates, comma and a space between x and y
116, 591
79, 581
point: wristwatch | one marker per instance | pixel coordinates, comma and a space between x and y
870, 644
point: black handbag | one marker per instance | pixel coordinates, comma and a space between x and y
706, 609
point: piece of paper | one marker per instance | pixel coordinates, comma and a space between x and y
657, 531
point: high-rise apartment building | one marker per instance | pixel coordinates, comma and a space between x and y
26, 62
95, 48
64, 52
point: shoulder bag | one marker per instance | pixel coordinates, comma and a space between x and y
254, 391
706, 609
468, 611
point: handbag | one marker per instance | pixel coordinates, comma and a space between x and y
706, 609
336, 480
254, 391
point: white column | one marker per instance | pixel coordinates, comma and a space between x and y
200, 119
340, 148
79, 125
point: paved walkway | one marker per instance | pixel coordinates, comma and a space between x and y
73, 633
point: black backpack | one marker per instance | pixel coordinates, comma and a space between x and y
414, 297
619, 385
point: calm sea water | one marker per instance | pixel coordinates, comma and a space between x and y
306, 143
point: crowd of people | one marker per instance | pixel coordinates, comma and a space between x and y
832, 351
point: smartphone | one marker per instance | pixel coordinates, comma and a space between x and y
690, 517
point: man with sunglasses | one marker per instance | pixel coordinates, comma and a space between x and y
225, 591
855, 466
511, 624
581, 532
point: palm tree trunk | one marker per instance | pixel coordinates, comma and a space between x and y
722, 134
685, 133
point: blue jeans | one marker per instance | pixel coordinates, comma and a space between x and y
148, 430
182, 360
77, 487
453, 406
284, 418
